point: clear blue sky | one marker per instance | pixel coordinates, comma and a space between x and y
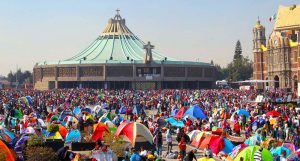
34, 31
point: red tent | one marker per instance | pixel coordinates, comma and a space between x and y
180, 113
273, 113
208, 141
99, 130
217, 145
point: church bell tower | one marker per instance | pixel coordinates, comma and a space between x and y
259, 43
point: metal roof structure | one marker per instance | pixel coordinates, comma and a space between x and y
117, 44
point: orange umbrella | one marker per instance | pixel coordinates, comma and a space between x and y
63, 131
8, 154
207, 141
99, 129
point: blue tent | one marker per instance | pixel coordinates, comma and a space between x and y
174, 112
73, 136
122, 110
178, 124
279, 149
228, 146
64, 114
196, 112
170, 120
86, 109
241, 112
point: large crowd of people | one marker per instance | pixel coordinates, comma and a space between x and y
235, 113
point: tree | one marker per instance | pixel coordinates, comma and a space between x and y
22, 77
238, 50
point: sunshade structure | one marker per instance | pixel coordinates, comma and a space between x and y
135, 133
248, 154
8, 154
180, 113
279, 149
99, 129
73, 136
195, 112
273, 113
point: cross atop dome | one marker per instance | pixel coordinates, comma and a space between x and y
118, 16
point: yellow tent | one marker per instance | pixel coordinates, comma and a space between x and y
206, 159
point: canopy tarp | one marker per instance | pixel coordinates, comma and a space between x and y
99, 129
73, 136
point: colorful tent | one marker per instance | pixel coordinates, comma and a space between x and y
208, 141
273, 113
195, 112
55, 135
77, 110
279, 149
193, 134
206, 159
290, 146
99, 129
248, 154
8, 154
63, 131
196, 141
134, 132
73, 136
180, 113
237, 149
86, 110
64, 114
20, 142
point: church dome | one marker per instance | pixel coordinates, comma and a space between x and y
258, 25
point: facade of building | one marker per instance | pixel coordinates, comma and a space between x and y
276, 57
118, 59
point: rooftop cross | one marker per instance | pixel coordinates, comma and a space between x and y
118, 12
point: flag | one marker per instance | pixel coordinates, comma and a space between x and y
273, 18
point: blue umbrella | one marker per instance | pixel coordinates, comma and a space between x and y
73, 136
77, 110
243, 112
196, 112
279, 149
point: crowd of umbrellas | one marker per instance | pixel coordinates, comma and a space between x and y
227, 122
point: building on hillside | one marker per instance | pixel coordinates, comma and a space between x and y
118, 59
276, 57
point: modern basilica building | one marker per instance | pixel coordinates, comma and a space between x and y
118, 59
